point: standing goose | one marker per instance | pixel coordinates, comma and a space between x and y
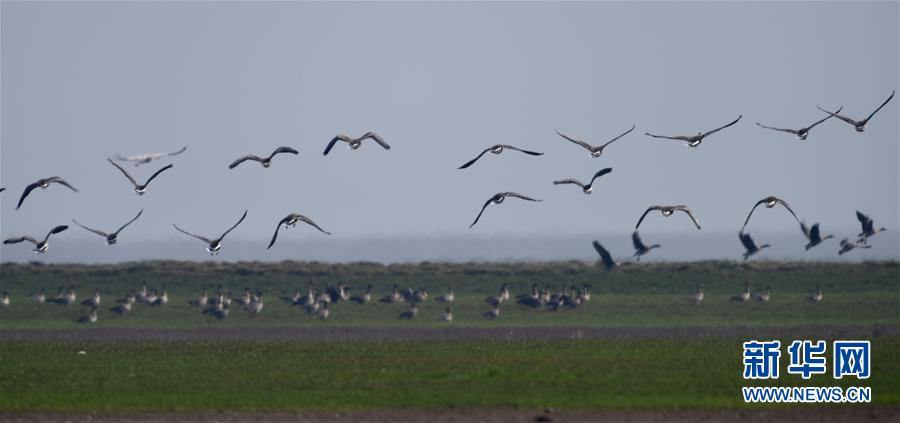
111, 238
585, 188
608, 262
264, 161
354, 143
39, 247
750, 245
94, 300
816, 296
694, 140
860, 125
764, 297
668, 211
846, 246
140, 189
868, 227
497, 199
214, 244
147, 158
813, 235
596, 151
697, 296
743, 296
639, 247
801, 133
43, 184
497, 149
291, 221
770, 202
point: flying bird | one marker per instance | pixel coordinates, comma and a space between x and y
43, 184
264, 161
140, 189
668, 211
2, 189
769, 202
608, 262
147, 158
497, 149
750, 245
639, 247
214, 244
497, 199
111, 238
585, 188
813, 235
695, 140
354, 143
596, 151
860, 125
846, 246
868, 227
39, 247
801, 133
291, 221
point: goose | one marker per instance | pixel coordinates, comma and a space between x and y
420, 295
70, 296
39, 247
394, 297
354, 143
264, 161
128, 299
608, 262
587, 189
200, 301
2, 189
763, 297
161, 300
500, 298
411, 313
309, 299
143, 293
448, 297
140, 189
596, 151
801, 133
339, 293
497, 199
497, 149
448, 315
846, 246
256, 305
493, 313
813, 235
245, 298
291, 221
323, 312
121, 309
816, 296
293, 299
152, 298
147, 158
585, 294
533, 299
111, 238
695, 140
668, 211
4, 299
94, 300
743, 296
770, 202
868, 227
312, 308
533, 294
214, 244
91, 317
39, 297
750, 245
697, 297
364, 298
859, 125
43, 184
639, 247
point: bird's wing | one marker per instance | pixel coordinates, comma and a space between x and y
722, 127
513, 194
283, 150
471, 162
27, 191
841, 117
785, 204
579, 142
604, 254
806, 230
677, 137
55, 230
177, 152
620, 136
157, 173
533, 153
751, 213
309, 221
131, 221
204, 239
96, 231
790, 131
338, 137
240, 160
636, 241
235, 225
691, 215
61, 181
866, 222
486, 203
377, 138
882, 105
275, 235
824, 118
569, 181
133, 182
20, 239
600, 173
649, 209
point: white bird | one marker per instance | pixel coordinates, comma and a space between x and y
147, 158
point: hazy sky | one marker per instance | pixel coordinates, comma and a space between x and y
441, 82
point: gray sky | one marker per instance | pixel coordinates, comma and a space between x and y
441, 82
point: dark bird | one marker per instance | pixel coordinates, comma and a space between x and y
147, 158
860, 125
868, 227
813, 235
769, 202
264, 161
585, 188
750, 245
846, 246
801, 133
639, 247
214, 244
2, 189
354, 143
111, 238
43, 184
608, 262
39, 247
291, 221
695, 140
497, 149
668, 211
140, 189
596, 151
497, 199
